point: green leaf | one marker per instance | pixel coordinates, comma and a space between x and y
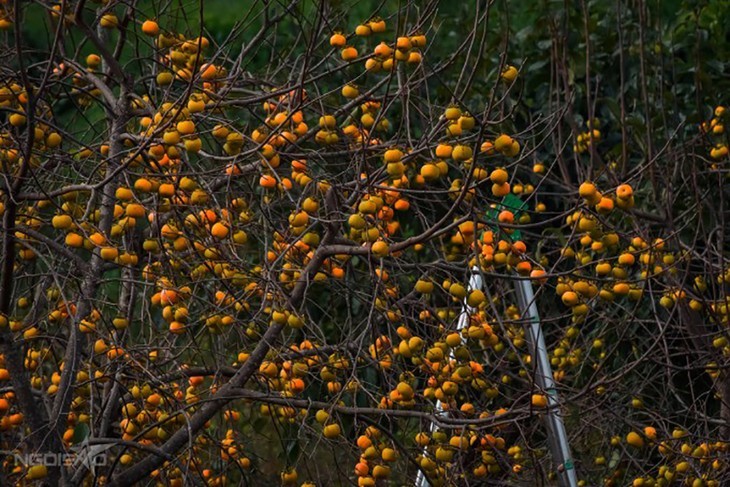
537, 65
512, 203
81, 432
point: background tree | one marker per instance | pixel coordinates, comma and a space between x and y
236, 240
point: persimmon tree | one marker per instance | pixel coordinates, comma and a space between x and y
238, 254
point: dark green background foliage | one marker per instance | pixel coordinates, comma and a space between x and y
686, 47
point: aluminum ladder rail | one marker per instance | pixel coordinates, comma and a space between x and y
475, 282
557, 435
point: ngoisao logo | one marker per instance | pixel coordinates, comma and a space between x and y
84, 454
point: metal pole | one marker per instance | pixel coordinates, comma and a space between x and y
475, 282
544, 378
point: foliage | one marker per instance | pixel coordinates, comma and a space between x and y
236, 242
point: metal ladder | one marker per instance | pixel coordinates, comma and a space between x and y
557, 436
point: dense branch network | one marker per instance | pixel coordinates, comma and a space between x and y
244, 255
